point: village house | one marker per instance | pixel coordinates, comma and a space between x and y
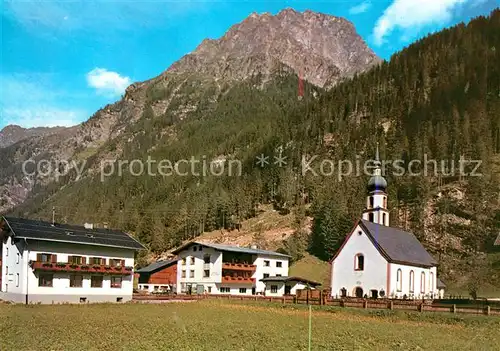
224, 269
377, 260
159, 277
54, 263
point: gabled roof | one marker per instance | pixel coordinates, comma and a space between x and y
497, 241
229, 248
440, 284
290, 279
156, 266
38, 230
396, 245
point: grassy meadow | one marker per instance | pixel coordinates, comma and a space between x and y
218, 325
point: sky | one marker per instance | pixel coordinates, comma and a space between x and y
63, 60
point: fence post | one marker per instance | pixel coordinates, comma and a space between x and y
342, 303
487, 310
391, 305
421, 307
365, 304
454, 308
320, 297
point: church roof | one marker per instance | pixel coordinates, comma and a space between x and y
398, 246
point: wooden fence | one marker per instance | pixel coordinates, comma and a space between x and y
316, 297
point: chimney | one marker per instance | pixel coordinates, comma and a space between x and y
88, 226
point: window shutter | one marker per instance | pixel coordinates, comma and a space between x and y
39, 257
53, 258
103, 261
122, 263
84, 260
70, 259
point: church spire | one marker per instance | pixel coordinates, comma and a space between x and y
376, 204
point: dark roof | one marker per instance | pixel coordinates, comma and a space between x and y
290, 279
396, 245
230, 248
440, 284
497, 241
38, 230
156, 266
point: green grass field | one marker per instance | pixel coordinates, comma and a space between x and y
217, 325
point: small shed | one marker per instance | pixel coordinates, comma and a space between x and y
158, 277
279, 286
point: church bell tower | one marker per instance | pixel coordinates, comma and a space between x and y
376, 202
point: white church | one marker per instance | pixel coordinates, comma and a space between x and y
376, 260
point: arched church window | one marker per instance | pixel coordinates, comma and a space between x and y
422, 283
383, 219
370, 217
431, 285
359, 262
399, 280
371, 201
385, 201
412, 281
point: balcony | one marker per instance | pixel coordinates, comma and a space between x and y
237, 280
239, 267
80, 268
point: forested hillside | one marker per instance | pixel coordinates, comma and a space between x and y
440, 97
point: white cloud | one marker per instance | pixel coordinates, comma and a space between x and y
32, 100
107, 82
413, 15
360, 8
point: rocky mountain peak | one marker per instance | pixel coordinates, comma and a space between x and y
11, 134
320, 47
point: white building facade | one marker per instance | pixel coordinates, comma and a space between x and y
377, 260
44, 263
223, 269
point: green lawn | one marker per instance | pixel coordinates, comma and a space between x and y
217, 325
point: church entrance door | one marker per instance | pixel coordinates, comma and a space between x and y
358, 292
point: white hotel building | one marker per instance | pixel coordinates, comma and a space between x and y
223, 269
51, 263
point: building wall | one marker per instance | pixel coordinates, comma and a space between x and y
405, 283
13, 267
61, 290
163, 278
272, 270
344, 275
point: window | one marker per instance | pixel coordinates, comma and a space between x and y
99, 261
206, 273
75, 259
399, 280
412, 281
371, 201
370, 217
116, 282
192, 260
225, 290
209, 289
431, 285
96, 281
206, 259
17, 279
195, 247
46, 258
279, 264
45, 280
422, 283
243, 290
183, 274
278, 275
274, 289
114, 262
267, 263
266, 275
183, 261
383, 219
385, 201
191, 274
359, 262
75, 281
17, 258
6, 251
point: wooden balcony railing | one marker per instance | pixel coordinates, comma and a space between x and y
236, 280
239, 267
80, 268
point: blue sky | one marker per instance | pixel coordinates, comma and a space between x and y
63, 60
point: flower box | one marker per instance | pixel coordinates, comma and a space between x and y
61, 264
